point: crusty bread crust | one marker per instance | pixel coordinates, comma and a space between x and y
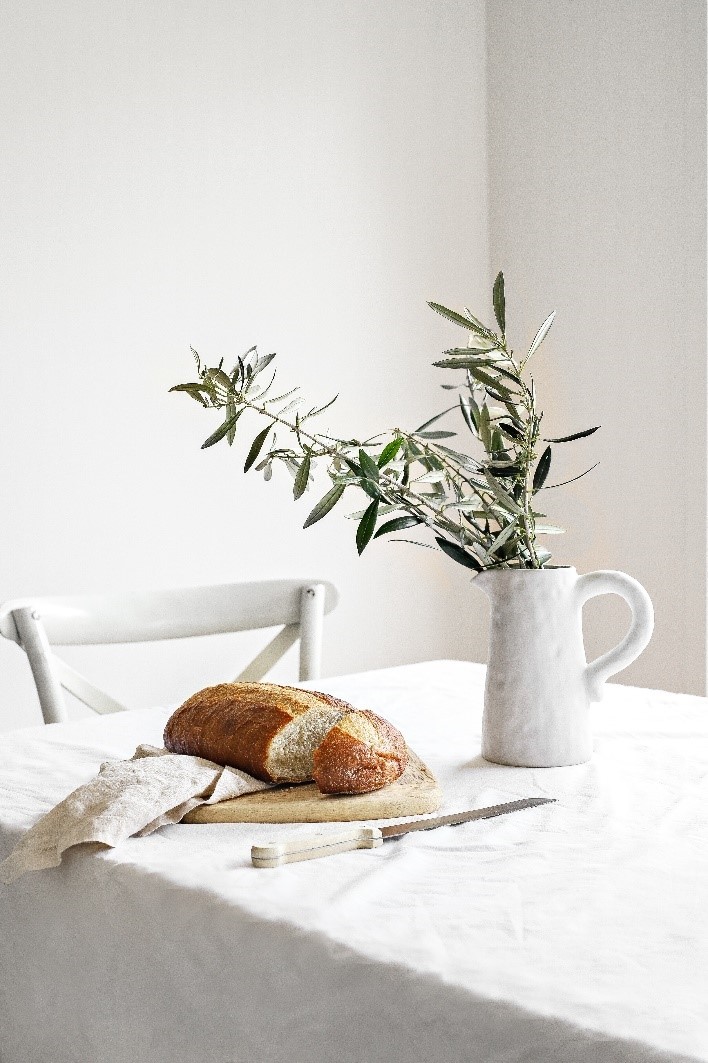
362, 752
236, 724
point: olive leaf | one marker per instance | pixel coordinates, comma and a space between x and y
575, 435
505, 469
484, 427
500, 391
218, 376
499, 303
574, 478
398, 524
490, 353
256, 447
544, 464
222, 430
433, 477
458, 553
370, 488
501, 538
510, 431
471, 421
432, 420
302, 478
497, 441
261, 364
325, 504
540, 335
231, 415
366, 527
503, 496
382, 510
389, 451
316, 411
197, 391
369, 467
478, 324
471, 324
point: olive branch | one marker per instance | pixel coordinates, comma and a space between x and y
482, 511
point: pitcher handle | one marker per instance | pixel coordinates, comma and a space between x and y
640, 630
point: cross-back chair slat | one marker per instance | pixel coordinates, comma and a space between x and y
38, 624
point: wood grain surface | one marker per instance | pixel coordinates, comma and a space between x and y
414, 794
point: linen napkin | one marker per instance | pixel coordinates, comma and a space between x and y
128, 797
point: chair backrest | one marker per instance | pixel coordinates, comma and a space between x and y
37, 624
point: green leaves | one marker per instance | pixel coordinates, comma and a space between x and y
486, 351
503, 536
421, 428
325, 504
398, 524
219, 377
389, 451
575, 435
470, 413
507, 502
499, 302
479, 506
197, 391
223, 430
511, 431
256, 447
494, 387
468, 360
485, 432
471, 324
302, 478
544, 464
458, 553
574, 478
505, 469
540, 335
369, 467
366, 526
261, 364
231, 414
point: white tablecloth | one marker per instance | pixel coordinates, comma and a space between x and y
574, 932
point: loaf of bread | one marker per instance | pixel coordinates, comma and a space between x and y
274, 733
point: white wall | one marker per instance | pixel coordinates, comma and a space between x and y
306, 176
597, 209
302, 175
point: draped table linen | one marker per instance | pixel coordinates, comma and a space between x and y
576, 931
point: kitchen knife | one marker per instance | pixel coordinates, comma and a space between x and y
342, 841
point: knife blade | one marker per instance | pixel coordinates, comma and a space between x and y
289, 851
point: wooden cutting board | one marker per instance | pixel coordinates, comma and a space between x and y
415, 793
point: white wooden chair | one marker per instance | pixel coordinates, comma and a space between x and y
37, 624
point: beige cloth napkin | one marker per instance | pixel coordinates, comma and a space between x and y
127, 797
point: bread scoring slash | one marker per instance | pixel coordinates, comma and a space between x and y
285, 734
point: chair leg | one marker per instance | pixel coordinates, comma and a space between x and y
36, 646
312, 603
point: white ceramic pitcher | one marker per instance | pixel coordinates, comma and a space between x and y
539, 687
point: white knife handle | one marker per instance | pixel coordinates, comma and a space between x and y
309, 848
